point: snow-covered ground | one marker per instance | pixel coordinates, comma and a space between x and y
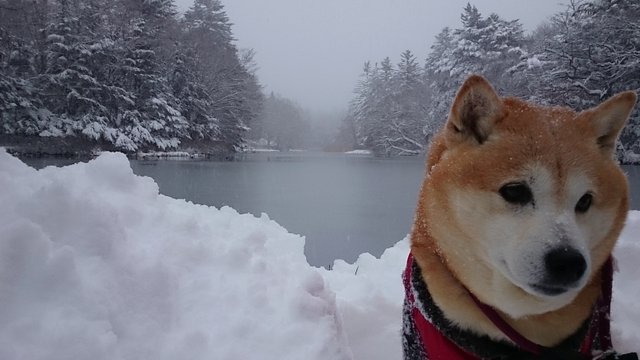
359, 152
174, 155
95, 264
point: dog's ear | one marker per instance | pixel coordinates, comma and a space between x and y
609, 118
475, 111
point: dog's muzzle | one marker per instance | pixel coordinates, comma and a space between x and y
564, 267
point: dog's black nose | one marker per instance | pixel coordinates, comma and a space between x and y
564, 266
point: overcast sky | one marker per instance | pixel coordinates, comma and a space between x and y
312, 51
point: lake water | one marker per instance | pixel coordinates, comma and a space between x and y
344, 205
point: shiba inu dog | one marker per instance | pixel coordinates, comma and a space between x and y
515, 224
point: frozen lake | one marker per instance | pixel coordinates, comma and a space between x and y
344, 205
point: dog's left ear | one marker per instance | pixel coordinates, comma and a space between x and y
475, 111
609, 118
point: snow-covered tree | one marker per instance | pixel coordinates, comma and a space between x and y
438, 68
408, 117
388, 111
490, 46
195, 101
216, 62
19, 105
371, 105
588, 53
154, 118
69, 88
124, 74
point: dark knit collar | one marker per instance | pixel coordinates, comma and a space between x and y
481, 345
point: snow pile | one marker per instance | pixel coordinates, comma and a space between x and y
95, 264
625, 312
370, 294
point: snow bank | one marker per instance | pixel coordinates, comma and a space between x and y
95, 264
625, 312
370, 295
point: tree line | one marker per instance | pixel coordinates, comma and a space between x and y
129, 75
584, 54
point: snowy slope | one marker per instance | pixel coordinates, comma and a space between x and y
625, 312
95, 264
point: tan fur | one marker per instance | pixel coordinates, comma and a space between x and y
486, 143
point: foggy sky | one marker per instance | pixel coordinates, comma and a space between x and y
312, 51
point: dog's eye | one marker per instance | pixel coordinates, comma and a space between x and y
584, 203
516, 193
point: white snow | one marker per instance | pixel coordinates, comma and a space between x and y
260, 150
359, 152
629, 157
96, 264
174, 155
370, 295
625, 312
534, 62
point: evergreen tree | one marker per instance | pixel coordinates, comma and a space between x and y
371, 106
438, 69
408, 118
388, 112
588, 53
489, 46
154, 119
216, 62
195, 102
19, 104
69, 89
124, 74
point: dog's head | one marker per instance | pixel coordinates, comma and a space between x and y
524, 202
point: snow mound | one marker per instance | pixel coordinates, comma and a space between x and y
96, 264
625, 309
370, 294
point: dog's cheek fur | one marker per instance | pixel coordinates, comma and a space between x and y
603, 223
493, 258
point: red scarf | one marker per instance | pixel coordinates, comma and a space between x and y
436, 346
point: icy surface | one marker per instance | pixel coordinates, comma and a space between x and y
95, 264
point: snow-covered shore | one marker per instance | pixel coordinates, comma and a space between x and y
96, 264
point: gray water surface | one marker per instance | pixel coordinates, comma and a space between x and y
344, 205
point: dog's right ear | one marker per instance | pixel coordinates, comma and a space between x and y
609, 118
475, 111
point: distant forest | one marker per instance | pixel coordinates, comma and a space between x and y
583, 55
127, 75
134, 75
